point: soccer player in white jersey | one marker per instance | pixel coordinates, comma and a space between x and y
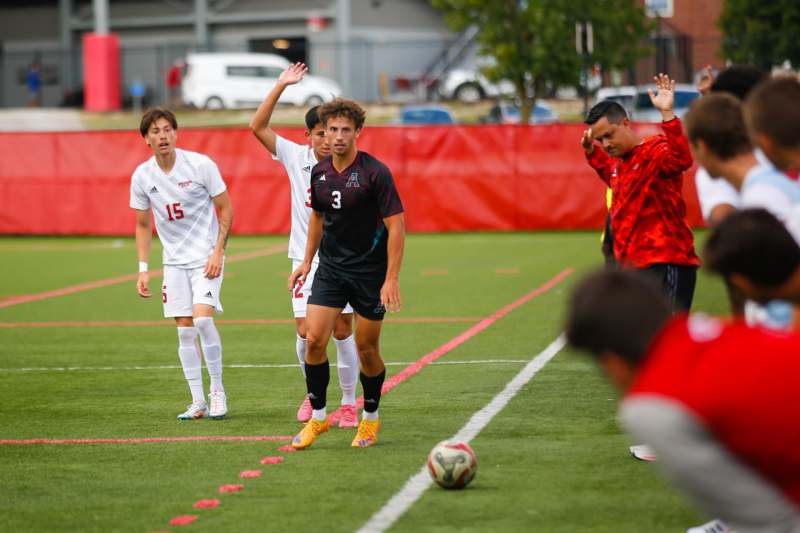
298, 160
718, 198
184, 190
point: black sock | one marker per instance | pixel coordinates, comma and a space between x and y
372, 390
317, 378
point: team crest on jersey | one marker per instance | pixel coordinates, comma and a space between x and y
322, 178
184, 184
352, 181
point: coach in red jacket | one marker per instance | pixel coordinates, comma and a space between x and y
719, 403
648, 215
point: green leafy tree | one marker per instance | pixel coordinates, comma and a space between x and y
761, 33
533, 41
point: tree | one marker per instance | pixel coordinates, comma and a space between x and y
533, 41
761, 33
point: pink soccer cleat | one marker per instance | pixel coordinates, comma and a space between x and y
305, 410
349, 418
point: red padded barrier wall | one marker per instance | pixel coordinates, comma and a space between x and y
450, 178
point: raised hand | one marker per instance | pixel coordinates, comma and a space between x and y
706, 80
587, 141
293, 73
664, 98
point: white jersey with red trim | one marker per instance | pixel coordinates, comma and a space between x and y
182, 205
298, 160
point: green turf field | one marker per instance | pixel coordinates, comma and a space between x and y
554, 460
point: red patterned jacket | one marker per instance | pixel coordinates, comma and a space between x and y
648, 214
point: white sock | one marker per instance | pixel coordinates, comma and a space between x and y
347, 365
190, 361
300, 347
212, 350
369, 416
319, 414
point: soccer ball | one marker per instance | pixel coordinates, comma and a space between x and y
452, 465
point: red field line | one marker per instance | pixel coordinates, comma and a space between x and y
390, 384
26, 298
244, 321
147, 440
452, 344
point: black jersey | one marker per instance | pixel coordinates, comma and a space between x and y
354, 203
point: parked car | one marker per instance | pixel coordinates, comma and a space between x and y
637, 102
216, 81
469, 85
508, 113
425, 114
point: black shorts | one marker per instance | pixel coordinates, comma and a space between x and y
332, 289
677, 280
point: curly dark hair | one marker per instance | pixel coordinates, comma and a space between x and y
153, 114
342, 107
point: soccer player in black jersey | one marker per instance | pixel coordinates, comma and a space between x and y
357, 224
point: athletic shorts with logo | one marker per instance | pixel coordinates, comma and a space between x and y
301, 293
184, 287
332, 289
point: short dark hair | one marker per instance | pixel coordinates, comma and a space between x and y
342, 107
153, 114
754, 244
312, 118
616, 311
613, 111
773, 108
717, 120
738, 80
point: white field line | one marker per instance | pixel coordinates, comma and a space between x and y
276, 365
419, 483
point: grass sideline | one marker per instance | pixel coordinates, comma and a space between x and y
553, 460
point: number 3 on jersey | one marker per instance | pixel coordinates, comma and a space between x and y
337, 199
175, 213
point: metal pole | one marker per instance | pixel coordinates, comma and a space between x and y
101, 24
201, 24
343, 44
65, 30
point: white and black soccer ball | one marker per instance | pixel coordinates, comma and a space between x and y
452, 465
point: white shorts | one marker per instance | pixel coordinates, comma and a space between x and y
301, 293
182, 288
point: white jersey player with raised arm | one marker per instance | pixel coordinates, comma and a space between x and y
298, 160
184, 190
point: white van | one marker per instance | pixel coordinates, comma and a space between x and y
216, 81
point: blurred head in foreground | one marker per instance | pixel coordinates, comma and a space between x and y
756, 255
773, 115
615, 315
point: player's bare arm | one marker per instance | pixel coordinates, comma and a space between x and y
587, 141
144, 236
312, 245
390, 291
259, 124
222, 203
664, 97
